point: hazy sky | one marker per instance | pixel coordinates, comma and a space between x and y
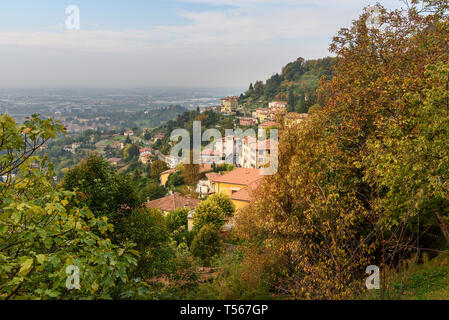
144, 43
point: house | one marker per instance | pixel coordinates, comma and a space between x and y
242, 197
268, 124
145, 157
172, 202
229, 104
172, 162
117, 145
159, 136
114, 161
211, 156
164, 176
207, 186
233, 182
261, 114
279, 105
256, 154
128, 133
229, 147
247, 122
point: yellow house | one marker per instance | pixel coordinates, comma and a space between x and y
239, 184
164, 176
229, 104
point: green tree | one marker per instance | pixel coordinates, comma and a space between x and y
102, 189
177, 219
224, 202
147, 229
291, 101
206, 243
208, 212
44, 230
157, 167
131, 151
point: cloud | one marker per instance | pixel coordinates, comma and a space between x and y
230, 47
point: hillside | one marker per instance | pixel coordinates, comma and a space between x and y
426, 281
297, 84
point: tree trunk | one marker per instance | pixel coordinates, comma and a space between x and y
443, 226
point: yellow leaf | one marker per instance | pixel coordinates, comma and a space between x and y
26, 266
40, 258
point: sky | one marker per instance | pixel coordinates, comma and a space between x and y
157, 43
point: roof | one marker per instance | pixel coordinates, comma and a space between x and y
240, 176
247, 193
269, 124
169, 171
173, 202
212, 176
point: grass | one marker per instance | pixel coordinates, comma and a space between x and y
426, 281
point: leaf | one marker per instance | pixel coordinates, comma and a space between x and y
40, 258
26, 266
3, 228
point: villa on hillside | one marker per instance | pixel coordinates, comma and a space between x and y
207, 186
229, 105
240, 184
172, 202
164, 176
114, 161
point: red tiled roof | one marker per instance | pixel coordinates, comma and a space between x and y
169, 171
268, 124
172, 202
247, 193
212, 176
240, 176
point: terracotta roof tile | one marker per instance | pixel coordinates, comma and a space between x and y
247, 193
241, 176
172, 202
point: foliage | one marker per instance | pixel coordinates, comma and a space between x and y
102, 190
177, 219
206, 243
157, 167
175, 179
147, 229
130, 151
224, 202
208, 212
368, 167
43, 230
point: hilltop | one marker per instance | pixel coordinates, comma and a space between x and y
296, 84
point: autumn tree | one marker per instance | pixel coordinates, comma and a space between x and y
357, 177
157, 167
